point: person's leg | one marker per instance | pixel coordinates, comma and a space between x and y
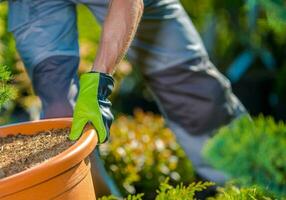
194, 97
165, 37
196, 100
46, 38
55, 81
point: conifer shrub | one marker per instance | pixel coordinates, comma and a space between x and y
7, 92
231, 192
169, 192
181, 192
252, 153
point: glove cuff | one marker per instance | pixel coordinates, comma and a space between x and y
105, 84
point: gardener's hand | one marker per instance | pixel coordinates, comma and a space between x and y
93, 106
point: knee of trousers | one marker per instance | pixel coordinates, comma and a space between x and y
193, 147
194, 95
55, 81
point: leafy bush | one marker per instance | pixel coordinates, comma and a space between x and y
142, 152
252, 152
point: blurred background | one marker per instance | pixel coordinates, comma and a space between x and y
246, 40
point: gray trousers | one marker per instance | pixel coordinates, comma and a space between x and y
196, 100
194, 97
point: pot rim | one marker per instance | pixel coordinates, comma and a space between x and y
53, 166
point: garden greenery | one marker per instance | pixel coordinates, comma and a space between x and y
7, 44
6, 91
142, 152
129, 197
230, 192
181, 192
9, 58
252, 152
168, 192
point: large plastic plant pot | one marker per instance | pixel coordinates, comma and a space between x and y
66, 176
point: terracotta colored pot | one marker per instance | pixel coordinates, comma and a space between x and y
66, 176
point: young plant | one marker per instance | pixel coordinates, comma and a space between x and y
168, 192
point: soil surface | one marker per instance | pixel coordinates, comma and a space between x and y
20, 152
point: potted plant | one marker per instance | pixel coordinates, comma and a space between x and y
64, 176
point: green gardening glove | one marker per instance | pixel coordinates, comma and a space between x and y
93, 106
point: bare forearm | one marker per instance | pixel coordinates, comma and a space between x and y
118, 31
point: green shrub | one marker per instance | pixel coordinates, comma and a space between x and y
231, 192
7, 44
168, 192
181, 192
142, 152
6, 91
251, 152
129, 197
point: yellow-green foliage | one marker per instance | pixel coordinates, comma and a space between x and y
142, 152
3, 10
180, 192
252, 152
231, 192
129, 197
168, 192
6, 91
7, 44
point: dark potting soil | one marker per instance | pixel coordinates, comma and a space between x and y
20, 152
